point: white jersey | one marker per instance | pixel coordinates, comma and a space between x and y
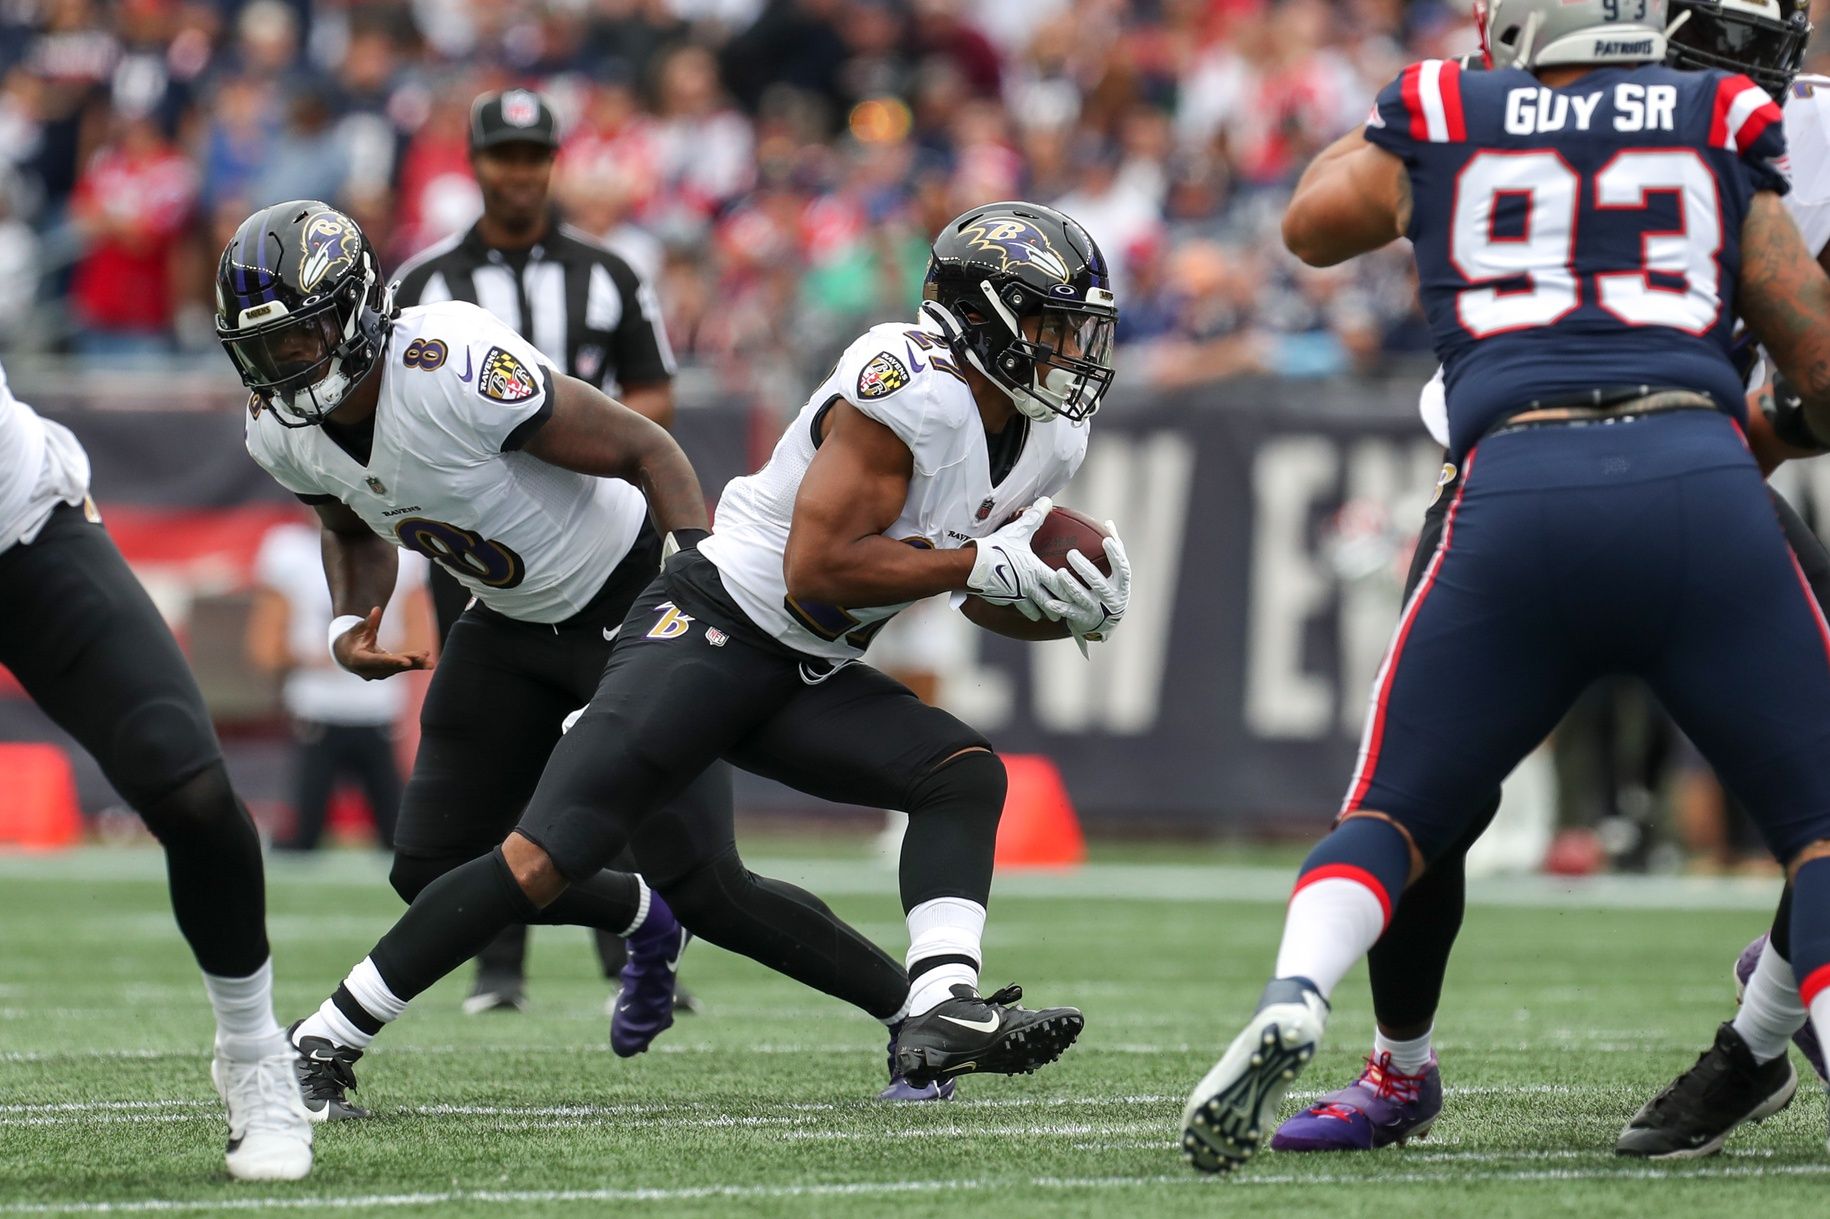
460, 392
903, 377
41, 466
1806, 165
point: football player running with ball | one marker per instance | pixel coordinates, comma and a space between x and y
895, 482
1609, 518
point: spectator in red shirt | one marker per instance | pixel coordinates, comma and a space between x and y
132, 206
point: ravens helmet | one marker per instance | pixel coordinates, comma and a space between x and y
1764, 39
1024, 296
301, 308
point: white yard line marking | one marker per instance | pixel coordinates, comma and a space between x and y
890, 1188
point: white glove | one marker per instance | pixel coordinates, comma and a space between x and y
1091, 604
1006, 571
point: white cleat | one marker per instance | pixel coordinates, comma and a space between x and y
269, 1130
1234, 1106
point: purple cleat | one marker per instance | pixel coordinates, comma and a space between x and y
1382, 1107
901, 1089
645, 1006
1806, 1037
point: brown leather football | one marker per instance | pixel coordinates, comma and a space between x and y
1065, 529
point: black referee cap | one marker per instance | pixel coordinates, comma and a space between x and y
513, 116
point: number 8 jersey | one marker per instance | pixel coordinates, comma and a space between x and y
1578, 238
460, 394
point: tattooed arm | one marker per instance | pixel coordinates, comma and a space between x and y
594, 434
1785, 301
1353, 198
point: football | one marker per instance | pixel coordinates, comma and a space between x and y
1065, 530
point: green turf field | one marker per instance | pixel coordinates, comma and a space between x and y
1563, 1014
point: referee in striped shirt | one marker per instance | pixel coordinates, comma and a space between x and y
586, 311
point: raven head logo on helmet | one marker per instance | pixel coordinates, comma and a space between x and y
332, 243
1545, 33
1023, 296
301, 308
1015, 240
1763, 39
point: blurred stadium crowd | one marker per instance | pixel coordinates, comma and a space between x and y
776, 167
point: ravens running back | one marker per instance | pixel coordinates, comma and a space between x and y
1586, 224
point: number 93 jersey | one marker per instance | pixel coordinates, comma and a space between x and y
460, 394
1578, 238
904, 377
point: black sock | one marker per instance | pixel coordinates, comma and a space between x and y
213, 867
953, 830
789, 930
450, 922
1781, 936
1407, 966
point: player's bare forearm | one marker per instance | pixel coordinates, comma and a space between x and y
1354, 198
1785, 301
853, 491
593, 434
359, 567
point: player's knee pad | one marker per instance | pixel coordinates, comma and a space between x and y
160, 749
412, 873
973, 782
200, 806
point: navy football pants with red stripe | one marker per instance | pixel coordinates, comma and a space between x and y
1647, 547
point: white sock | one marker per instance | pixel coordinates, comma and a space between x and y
1770, 1008
245, 1025
1331, 923
365, 986
943, 927
1411, 1056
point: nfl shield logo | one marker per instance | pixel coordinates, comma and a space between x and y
984, 509
520, 108
375, 485
715, 637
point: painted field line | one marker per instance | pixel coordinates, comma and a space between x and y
865, 1189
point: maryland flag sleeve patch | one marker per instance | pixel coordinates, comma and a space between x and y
504, 378
880, 378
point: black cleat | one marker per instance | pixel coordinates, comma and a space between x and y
1699, 1109
989, 1036
326, 1073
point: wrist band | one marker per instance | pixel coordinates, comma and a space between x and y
338, 627
682, 539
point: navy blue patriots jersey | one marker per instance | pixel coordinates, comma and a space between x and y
1578, 238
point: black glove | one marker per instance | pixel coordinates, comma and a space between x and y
1786, 412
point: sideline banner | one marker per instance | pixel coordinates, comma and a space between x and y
1268, 536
